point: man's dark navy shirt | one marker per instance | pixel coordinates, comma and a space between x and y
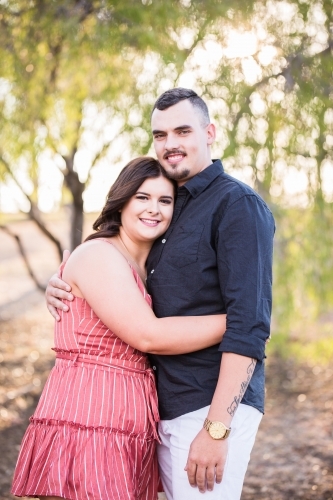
215, 258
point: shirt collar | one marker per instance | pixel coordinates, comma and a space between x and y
200, 181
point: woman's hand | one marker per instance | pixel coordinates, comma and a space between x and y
58, 289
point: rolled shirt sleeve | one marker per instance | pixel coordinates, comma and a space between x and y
244, 244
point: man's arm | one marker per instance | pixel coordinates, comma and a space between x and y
58, 289
244, 242
207, 456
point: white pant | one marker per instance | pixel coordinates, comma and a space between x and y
177, 435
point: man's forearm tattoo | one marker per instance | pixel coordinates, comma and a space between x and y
237, 399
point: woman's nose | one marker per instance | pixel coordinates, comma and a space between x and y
153, 207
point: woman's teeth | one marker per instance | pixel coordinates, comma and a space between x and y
150, 222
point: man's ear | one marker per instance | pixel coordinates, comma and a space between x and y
211, 134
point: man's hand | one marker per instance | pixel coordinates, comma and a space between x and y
58, 289
206, 460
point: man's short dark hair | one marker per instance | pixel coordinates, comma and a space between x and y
174, 96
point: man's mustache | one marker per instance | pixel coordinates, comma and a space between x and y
173, 152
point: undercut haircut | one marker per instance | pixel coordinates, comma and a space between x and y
174, 96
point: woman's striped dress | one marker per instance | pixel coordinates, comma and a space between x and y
93, 433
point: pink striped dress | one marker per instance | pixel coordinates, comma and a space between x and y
93, 434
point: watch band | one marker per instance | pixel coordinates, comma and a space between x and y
207, 423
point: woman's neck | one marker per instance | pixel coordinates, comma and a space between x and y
136, 252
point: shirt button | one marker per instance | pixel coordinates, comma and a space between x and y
154, 367
164, 240
151, 272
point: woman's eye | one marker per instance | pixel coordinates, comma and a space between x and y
141, 197
166, 202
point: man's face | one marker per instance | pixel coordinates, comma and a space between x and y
181, 141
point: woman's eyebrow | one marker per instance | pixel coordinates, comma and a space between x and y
147, 194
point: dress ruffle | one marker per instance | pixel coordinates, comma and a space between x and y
81, 462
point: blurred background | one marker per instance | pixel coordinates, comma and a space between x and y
78, 79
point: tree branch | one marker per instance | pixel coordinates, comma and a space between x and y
24, 256
297, 59
33, 213
101, 153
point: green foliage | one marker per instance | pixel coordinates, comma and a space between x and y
303, 264
75, 69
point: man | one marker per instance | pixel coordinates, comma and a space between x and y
216, 257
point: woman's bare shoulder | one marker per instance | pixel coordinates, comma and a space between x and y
97, 253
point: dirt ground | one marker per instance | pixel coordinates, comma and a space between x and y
293, 455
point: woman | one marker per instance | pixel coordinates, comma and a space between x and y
93, 433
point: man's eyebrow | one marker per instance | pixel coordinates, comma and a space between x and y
158, 132
181, 127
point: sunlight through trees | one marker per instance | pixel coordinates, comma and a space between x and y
78, 80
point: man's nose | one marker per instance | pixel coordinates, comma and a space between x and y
172, 142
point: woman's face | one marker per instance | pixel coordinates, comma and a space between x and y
148, 213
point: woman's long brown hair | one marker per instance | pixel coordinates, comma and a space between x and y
127, 184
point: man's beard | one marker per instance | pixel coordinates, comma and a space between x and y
173, 172
178, 175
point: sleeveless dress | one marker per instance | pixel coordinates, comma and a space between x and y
93, 434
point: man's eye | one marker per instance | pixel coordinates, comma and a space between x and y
158, 136
184, 132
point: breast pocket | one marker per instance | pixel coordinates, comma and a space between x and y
185, 246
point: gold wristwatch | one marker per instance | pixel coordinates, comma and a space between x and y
216, 430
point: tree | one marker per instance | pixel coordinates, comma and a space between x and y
82, 76
65, 59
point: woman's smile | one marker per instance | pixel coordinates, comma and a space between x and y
150, 222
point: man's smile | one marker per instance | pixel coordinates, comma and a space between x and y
174, 157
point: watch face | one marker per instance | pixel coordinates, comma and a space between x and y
217, 430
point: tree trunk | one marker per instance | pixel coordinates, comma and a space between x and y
76, 188
76, 223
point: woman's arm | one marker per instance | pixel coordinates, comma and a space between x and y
105, 280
